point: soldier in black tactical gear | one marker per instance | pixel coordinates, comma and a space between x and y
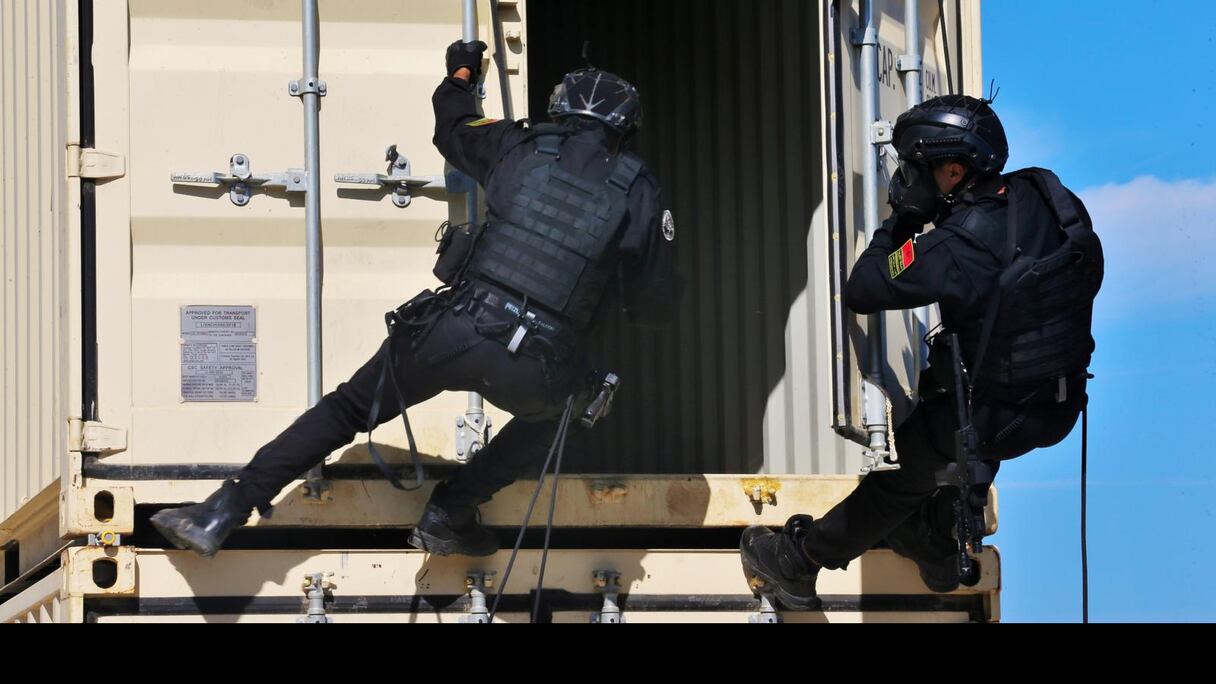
1014, 265
574, 221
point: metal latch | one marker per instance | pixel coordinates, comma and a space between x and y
300, 88
95, 438
881, 454
906, 63
760, 589
399, 178
882, 132
107, 538
241, 180
768, 614
473, 432
877, 460
477, 583
608, 583
316, 489
86, 162
317, 586
762, 491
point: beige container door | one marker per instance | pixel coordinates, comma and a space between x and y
200, 83
904, 359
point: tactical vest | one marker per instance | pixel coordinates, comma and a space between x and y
556, 240
1036, 331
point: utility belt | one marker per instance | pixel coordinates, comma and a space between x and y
1055, 390
524, 328
521, 326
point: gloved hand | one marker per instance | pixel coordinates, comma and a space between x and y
904, 227
467, 56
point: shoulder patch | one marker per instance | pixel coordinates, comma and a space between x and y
669, 226
482, 122
901, 259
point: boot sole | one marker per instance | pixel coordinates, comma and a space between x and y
906, 551
762, 583
445, 547
185, 535
939, 587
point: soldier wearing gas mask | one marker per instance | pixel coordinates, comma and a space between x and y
1014, 265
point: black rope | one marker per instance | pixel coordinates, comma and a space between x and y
941, 13
558, 441
388, 367
415, 319
557, 470
1084, 541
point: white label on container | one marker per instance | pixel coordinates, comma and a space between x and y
219, 353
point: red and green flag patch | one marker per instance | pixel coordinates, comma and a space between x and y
901, 259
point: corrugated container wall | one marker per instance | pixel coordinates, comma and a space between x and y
739, 119
732, 127
34, 292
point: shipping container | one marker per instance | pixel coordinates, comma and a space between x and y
154, 208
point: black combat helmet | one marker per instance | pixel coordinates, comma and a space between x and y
953, 127
599, 95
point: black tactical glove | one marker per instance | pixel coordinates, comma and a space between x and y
904, 227
462, 55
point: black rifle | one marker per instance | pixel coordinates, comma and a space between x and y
967, 473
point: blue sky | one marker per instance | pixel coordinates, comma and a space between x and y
1118, 97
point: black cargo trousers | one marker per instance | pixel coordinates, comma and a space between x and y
925, 443
457, 349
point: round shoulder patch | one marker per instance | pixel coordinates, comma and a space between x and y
669, 226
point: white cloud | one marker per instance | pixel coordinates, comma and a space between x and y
1159, 243
1032, 141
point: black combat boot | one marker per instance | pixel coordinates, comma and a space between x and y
203, 527
450, 529
776, 563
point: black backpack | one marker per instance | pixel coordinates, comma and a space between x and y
1042, 308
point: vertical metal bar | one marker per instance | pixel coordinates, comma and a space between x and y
914, 91
311, 97
474, 416
874, 406
470, 35
469, 20
312, 206
912, 74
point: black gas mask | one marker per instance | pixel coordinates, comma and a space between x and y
913, 192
